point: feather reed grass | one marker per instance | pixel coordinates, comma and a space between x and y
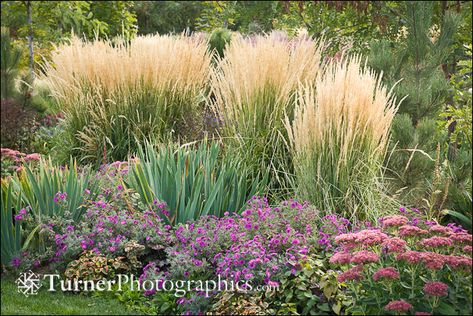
254, 86
115, 91
338, 138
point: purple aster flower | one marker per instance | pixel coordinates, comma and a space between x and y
15, 262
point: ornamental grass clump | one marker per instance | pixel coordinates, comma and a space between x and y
338, 139
386, 270
114, 93
253, 86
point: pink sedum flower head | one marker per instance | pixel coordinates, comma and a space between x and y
364, 256
33, 157
395, 220
456, 262
436, 242
386, 273
436, 288
409, 230
340, 258
398, 306
394, 244
441, 230
410, 256
461, 238
351, 274
433, 261
468, 249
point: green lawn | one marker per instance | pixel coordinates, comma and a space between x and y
56, 303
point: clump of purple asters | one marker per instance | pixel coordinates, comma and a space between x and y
256, 245
60, 196
331, 226
106, 228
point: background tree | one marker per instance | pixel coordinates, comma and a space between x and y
167, 16
55, 21
421, 170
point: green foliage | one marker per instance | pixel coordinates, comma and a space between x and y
422, 175
230, 302
167, 16
422, 164
93, 267
40, 189
416, 58
10, 57
49, 191
161, 303
55, 21
219, 39
413, 156
456, 118
10, 230
194, 182
312, 290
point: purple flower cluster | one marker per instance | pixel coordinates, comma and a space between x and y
256, 245
60, 196
21, 214
331, 226
105, 229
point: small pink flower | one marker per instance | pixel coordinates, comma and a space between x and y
439, 229
394, 244
461, 238
364, 256
436, 241
436, 289
468, 249
410, 256
395, 220
458, 261
351, 274
386, 273
340, 258
398, 306
409, 230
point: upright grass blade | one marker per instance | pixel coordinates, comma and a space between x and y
114, 93
10, 229
194, 182
40, 187
338, 139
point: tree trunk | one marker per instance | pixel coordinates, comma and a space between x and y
30, 37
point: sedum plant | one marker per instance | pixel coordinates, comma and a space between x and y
253, 86
338, 138
406, 265
116, 93
194, 182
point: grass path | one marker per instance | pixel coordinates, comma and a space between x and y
56, 303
